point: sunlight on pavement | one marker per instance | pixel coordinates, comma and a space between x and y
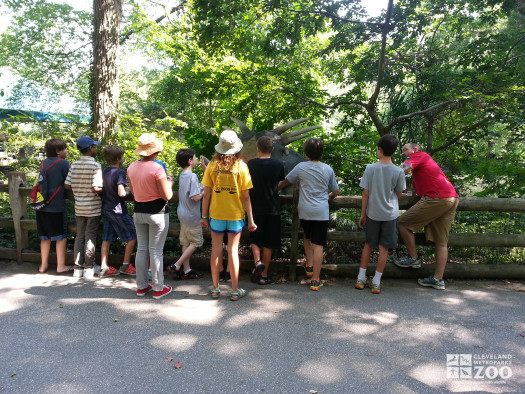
175, 342
324, 370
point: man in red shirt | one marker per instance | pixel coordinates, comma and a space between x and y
434, 212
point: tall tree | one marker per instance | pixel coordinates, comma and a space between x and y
107, 15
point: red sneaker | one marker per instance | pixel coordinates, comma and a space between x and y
143, 292
128, 269
165, 291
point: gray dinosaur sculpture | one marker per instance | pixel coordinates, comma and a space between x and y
281, 137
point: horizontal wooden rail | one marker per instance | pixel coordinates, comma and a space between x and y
405, 202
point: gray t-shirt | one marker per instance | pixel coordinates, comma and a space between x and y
316, 181
383, 181
189, 210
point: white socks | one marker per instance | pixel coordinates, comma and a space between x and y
362, 274
377, 278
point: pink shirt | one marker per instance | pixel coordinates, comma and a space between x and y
428, 178
143, 176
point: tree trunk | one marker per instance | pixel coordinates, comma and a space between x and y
106, 22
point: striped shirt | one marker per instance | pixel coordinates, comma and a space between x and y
83, 176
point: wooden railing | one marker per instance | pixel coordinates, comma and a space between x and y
19, 193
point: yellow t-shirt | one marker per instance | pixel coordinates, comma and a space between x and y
226, 187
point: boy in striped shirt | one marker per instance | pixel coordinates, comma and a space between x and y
85, 180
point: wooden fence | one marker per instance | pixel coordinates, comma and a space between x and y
19, 193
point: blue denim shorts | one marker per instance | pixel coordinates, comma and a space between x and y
118, 225
230, 226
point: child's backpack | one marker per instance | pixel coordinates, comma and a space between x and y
40, 196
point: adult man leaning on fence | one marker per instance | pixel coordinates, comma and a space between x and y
434, 212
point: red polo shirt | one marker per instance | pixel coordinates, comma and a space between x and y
428, 179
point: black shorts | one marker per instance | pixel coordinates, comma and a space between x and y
315, 231
51, 225
268, 233
381, 233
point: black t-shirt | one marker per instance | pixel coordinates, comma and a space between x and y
111, 178
266, 174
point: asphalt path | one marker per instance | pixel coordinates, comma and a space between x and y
64, 335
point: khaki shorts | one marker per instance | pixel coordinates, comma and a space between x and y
434, 215
191, 235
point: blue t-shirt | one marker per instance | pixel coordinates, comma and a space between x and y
56, 176
382, 182
111, 202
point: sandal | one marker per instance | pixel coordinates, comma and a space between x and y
235, 295
257, 271
265, 280
215, 292
69, 270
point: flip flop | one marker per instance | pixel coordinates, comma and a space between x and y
69, 270
42, 272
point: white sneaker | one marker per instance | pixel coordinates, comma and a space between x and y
78, 272
89, 273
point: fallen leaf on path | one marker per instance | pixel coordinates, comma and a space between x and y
213, 343
522, 334
60, 305
275, 311
178, 365
116, 320
169, 359
13, 375
432, 348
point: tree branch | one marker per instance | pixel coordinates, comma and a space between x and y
508, 53
333, 16
126, 36
385, 27
458, 137
422, 112
326, 106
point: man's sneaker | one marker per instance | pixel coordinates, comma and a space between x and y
309, 271
257, 271
143, 292
128, 269
191, 275
165, 291
175, 271
315, 285
408, 262
78, 272
108, 271
225, 276
432, 282
89, 273
360, 284
376, 289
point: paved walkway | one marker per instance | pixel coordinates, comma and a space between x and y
64, 335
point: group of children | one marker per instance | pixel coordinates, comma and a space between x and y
231, 190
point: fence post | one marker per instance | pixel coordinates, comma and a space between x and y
19, 211
294, 238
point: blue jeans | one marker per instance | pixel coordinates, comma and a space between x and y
85, 241
152, 230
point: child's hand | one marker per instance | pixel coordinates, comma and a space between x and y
252, 227
203, 163
204, 223
362, 221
